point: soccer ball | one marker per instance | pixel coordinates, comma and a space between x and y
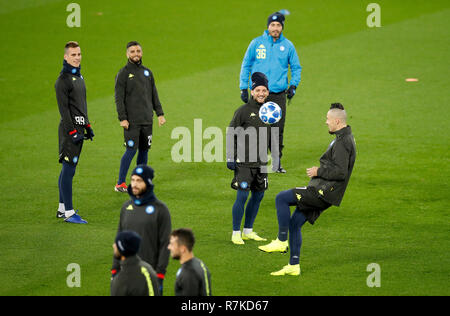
270, 113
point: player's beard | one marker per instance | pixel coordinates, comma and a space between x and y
134, 61
138, 192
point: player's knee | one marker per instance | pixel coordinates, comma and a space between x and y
282, 198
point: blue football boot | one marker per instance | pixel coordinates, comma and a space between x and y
75, 219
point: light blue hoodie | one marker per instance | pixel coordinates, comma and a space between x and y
273, 59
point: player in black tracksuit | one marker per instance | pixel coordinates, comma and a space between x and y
74, 127
136, 98
248, 140
136, 277
326, 188
150, 218
193, 277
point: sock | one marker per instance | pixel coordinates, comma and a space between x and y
237, 232
142, 157
125, 164
247, 231
295, 236
283, 200
252, 208
67, 174
238, 209
69, 213
61, 208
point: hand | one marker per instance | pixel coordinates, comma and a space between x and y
161, 120
89, 132
291, 92
76, 137
125, 124
231, 165
312, 172
113, 273
244, 95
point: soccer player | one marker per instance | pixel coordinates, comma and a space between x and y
74, 127
136, 277
273, 54
326, 188
247, 149
150, 218
193, 277
136, 99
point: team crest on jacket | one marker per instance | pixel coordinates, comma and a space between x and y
150, 209
146, 73
282, 48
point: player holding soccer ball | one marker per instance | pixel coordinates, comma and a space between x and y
248, 139
273, 54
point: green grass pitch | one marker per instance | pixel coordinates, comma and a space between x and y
395, 212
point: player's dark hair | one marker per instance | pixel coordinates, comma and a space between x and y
71, 44
132, 43
336, 106
185, 237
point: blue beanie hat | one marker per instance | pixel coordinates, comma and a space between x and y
276, 17
128, 243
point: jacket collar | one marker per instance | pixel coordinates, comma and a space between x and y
343, 131
148, 197
130, 63
130, 261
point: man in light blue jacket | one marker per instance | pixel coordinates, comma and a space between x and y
273, 54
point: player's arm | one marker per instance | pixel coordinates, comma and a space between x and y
246, 67
337, 169
116, 262
62, 88
231, 149
119, 95
157, 103
296, 68
164, 231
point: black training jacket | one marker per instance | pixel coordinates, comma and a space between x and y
136, 278
153, 224
71, 97
136, 95
193, 279
336, 166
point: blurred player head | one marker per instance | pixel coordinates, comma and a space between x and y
126, 244
72, 53
134, 52
181, 243
260, 87
336, 118
275, 24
